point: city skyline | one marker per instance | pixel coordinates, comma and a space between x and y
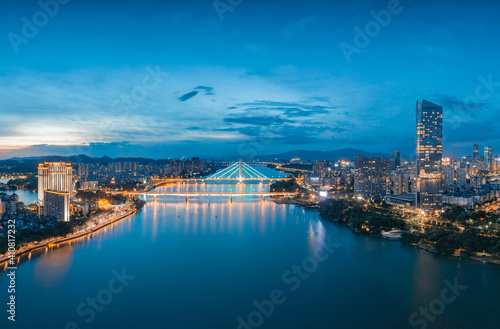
219, 83
249, 164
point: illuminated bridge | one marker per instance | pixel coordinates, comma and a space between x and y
237, 172
198, 194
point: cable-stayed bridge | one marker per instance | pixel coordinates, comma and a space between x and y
237, 172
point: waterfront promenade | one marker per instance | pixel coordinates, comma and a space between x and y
48, 243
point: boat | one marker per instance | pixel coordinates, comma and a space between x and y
393, 235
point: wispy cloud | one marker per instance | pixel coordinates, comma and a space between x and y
187, 96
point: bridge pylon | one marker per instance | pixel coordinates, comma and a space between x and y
241, 172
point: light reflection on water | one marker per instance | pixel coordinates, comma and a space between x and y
213, 258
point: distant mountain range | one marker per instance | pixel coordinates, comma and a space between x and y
82, 158
344, 154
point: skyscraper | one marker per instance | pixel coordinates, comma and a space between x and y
55, 177
397, 159
372, 176
449, 176
475, 152
488, 156
462, 177
57, 205
83, 171
429, 153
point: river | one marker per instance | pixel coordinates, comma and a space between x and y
209, 262
28, 197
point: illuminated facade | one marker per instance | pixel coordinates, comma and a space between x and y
488, 156
57, 205
372, 177
475, 152
54, 177
429, 154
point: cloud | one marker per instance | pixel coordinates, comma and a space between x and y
289, 109
456, 105
187, 96
260, 121
205, 88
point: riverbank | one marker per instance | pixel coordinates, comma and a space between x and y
299, 202
58, 240
482, 259
368, 229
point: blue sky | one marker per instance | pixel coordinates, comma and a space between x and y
171, 79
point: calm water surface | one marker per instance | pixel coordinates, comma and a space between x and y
24, 196
202, 264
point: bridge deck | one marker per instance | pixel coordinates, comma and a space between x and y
210, 193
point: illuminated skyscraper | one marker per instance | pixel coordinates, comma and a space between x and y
372, 176
55, 177
461, 177
429, 153
57, 205
488, 156
475, 152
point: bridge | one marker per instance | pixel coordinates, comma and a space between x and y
198, 194
237, 172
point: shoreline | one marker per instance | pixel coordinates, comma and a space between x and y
419, 246
56, 241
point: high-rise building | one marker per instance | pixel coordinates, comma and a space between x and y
461, 177
83, 171
320, 168
476, 181
396, 155
56, 205
488, 156
449, 175
429, 153
55, 177
401, 182
475, 152
372, 175
8, 204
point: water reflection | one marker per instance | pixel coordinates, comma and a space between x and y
214, 214
52, 266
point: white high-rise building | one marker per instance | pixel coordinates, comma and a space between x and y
55, 177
